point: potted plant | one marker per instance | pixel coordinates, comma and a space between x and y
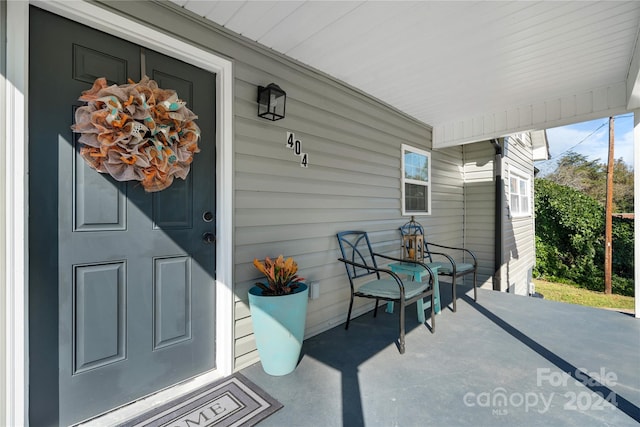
278, 313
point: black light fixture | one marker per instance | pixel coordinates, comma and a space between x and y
271, 102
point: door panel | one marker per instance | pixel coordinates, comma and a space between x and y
99, 204
172, 301
122, 275
89, 64
99, 335
173, 207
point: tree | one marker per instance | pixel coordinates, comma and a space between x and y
576, 171
589, 177
622, 187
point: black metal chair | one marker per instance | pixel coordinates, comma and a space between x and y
451, 267
360, 261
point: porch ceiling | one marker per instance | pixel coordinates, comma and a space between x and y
472, 70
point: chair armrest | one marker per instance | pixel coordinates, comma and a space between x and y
448, 257
475, 260
376, 269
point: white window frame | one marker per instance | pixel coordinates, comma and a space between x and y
520, 176
427, 184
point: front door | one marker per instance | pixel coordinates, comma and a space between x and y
121, 282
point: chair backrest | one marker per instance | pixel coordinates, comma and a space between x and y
355, 247
413, 228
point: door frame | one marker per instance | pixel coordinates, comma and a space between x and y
16, 402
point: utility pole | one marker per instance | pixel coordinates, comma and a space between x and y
608, 250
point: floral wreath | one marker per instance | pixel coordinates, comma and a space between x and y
137, 131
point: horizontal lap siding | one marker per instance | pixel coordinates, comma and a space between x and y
479, 196
519, 232
353, 181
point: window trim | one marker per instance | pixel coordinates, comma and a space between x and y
520, 175
428, 184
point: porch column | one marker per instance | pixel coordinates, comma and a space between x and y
636, 203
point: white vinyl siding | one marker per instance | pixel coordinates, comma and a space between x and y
519, 230
479, 196
353, 180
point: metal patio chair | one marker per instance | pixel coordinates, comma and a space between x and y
451, 267
360, 261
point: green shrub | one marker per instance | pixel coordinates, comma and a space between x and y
622, 286
570, 240
623, 244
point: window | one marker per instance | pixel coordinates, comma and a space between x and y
416, 181
519, 193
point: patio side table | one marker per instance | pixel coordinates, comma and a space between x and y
417, 272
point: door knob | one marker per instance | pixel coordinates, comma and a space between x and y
208, 238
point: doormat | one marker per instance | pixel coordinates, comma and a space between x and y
231, 402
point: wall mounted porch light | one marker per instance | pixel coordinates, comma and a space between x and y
271, 102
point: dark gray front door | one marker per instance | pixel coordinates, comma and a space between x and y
121, 287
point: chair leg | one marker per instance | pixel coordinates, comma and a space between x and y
475, 289
402, 307
349, 313
433, 312
375, 310
453, 291
420, 309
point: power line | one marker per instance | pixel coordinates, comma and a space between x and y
623, 116
583, 140
544, 166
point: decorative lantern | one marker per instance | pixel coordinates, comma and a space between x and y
412, 241
271, 102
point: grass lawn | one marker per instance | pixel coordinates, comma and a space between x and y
576, 295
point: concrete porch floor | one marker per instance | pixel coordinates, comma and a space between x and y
502, 361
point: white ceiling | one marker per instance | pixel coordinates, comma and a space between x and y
472, 70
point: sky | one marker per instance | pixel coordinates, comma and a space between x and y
590, 139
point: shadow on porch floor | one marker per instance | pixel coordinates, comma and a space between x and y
501, 361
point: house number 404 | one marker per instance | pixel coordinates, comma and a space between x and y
295, 144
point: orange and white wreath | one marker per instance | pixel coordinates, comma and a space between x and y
137, 131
